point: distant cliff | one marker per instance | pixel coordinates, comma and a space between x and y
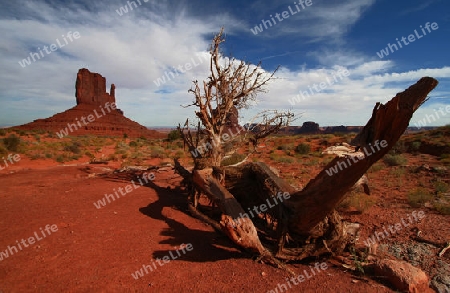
310, 127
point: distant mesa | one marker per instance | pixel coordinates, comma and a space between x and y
95, 113
310, 127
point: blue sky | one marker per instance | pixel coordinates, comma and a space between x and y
134, 49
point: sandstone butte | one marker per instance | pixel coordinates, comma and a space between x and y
91, 98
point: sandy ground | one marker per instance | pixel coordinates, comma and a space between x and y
98, 250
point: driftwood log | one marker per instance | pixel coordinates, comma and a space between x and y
289, 224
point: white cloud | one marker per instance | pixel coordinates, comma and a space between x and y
134, 50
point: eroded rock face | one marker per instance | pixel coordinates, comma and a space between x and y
90, 88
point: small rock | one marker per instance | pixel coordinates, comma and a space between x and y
403, 276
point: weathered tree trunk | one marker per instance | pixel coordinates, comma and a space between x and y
240, 230
308, 217
388, 122
217, 153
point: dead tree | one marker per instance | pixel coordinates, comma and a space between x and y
302, 223
308, 218
232, 85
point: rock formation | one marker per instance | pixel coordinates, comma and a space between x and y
310, 127
90, 88
95, 112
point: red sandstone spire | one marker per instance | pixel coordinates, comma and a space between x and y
90, 88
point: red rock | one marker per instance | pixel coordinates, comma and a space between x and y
90, 88
404, 276
92, 99
112, 92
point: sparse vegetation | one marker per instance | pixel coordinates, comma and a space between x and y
73, 148
173, 135
157, 152
376, 167
280, 158
415, 146
443, 209
3, 150
11, 143
303, 148
440, 187
360, 201
394, 160
418, 197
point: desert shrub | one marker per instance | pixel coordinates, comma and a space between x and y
360, 201
415, 146
418, 197
376, 167
48, 156
157, 152
173, 135
133, 144
442, 208
73, 148
303, 148
122, 145
286, 147
2, 132
60, 159
125, 136
285, 160
233, 159
11, 143
397, 172
281, 159
3, 150
394, 160
440, 186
